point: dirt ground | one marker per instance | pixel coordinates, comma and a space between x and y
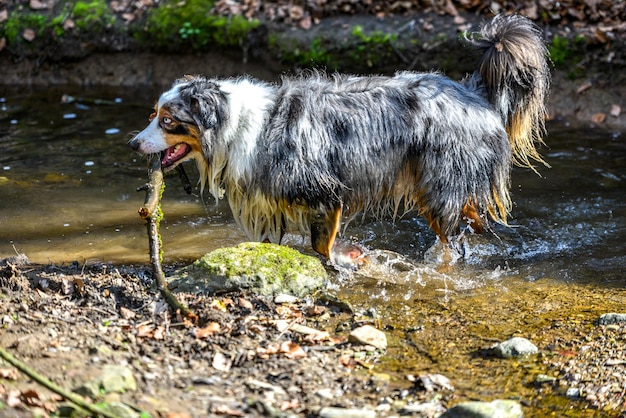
243, 358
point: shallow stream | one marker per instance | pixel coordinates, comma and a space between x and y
68, 193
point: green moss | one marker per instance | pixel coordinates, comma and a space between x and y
18, 22
372, 48
190, 25
88, 17
261, 268
92, 16
317, 54
566, 52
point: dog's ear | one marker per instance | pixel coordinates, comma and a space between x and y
203, 112
207, 107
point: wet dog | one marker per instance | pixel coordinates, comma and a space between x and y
314, 151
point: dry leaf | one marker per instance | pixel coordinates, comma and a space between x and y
292, 404
127, 313
616, 110
207, 331
245, 303
347, 360
9, 374
315, 310
29, 35
598, 118
159, 333
226, 410
37, 5
292, 350
221, 362
289, 311
218, 305
583, 87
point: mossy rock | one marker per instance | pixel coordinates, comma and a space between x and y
266, 269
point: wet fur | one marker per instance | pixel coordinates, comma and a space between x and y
313, 150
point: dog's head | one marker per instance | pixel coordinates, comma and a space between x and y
182, 122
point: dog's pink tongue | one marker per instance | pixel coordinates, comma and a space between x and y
173, 154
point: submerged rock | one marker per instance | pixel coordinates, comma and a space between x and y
612, 318
495, 409
368, 335
515, 347
266, 269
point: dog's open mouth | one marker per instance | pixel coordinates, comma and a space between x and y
175, 154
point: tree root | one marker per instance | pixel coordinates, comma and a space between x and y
152, 213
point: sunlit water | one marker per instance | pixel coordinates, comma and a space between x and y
68, 193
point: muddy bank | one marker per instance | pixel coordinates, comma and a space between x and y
589, 81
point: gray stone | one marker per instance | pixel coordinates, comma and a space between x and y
515, 347
612, 318
495, 409
266, 269
333, 412
117, 379
368, 335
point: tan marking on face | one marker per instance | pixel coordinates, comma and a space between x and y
167, 123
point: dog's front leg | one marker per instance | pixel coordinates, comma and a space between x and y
324, 224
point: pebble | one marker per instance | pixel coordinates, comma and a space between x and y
333, 412
515, 347
495, 409
612, 318
368, 335
285, 298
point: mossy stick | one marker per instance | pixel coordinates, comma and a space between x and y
42, 380
152, 213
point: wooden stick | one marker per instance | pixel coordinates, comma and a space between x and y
152, 213
42, 380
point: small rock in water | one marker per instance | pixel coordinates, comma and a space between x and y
515, 347
612, 318
495, 409
368, 335
333, 412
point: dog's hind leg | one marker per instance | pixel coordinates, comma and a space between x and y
472, 218
324, 224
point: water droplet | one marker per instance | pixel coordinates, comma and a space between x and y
69, 116
6, 168
112, 131
89, 163
66, 225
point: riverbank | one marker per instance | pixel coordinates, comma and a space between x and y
139, 47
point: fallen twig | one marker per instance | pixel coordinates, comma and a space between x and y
151, 212
70, 396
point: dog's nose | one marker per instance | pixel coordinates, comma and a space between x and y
134, 144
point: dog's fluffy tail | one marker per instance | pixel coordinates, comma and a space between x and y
513, 71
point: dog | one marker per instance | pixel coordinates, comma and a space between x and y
315, 150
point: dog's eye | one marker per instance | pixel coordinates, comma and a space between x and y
167, 122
